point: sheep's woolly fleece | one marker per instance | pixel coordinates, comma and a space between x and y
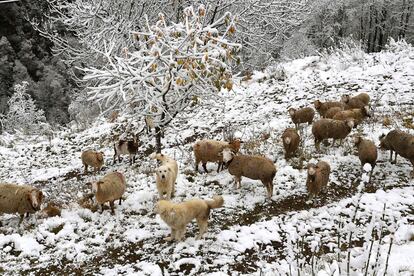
247, 235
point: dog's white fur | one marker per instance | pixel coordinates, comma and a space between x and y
178, 215
165, 175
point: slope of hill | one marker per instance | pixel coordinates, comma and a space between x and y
249, 234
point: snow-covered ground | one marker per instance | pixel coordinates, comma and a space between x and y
249, 235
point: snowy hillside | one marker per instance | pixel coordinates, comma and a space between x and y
249, 235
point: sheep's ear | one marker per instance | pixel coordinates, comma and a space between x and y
350, 123
88, 183
220, 154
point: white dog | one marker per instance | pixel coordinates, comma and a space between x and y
165, 175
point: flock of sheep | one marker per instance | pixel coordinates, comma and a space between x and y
337, 121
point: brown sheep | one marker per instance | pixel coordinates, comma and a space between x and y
367, 153
21, 199
291, 140
358, 101
51, 210
109, 189
126, 147
323, 107
386, 142
301, 115
358, 114
92, 158
251, 166
318, 177
329, 128
402, 143
332, 111
210, 151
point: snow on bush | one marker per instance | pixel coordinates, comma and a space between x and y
23, 115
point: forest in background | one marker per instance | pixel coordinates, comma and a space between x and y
269, 31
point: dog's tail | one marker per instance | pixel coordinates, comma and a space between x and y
217, 202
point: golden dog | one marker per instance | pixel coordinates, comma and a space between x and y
178, 215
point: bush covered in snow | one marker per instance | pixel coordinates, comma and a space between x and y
23, 115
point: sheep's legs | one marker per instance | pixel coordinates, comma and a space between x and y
220, 164
391, 156
120, 200
85, 169
237, 182
111, 203
21, 219
395, 158
269, 189
412, 172
115, 159
205, 166
317, 145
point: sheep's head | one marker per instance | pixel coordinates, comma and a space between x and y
35, 198
287, 140
292, 111
345, 98
96, 186
357, 140
100, 156
317, 104
383, 142
350, 123
311, 170
365, 111
235, 145
227, 154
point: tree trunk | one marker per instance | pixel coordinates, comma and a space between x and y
370, 40
382, 35
158, 138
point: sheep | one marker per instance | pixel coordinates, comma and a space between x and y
302, 115
22, 199
126, 147
332, 111
367, 153
51, 210
210, 151
291, 140
387, 140
358, 101
358, 114
329, 128
93, 159
323, 107
318, 177
251, 166
109, 189
402, 143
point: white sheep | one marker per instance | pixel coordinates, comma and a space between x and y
21, 199
109, 189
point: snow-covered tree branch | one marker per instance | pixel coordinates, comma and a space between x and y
170, 67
